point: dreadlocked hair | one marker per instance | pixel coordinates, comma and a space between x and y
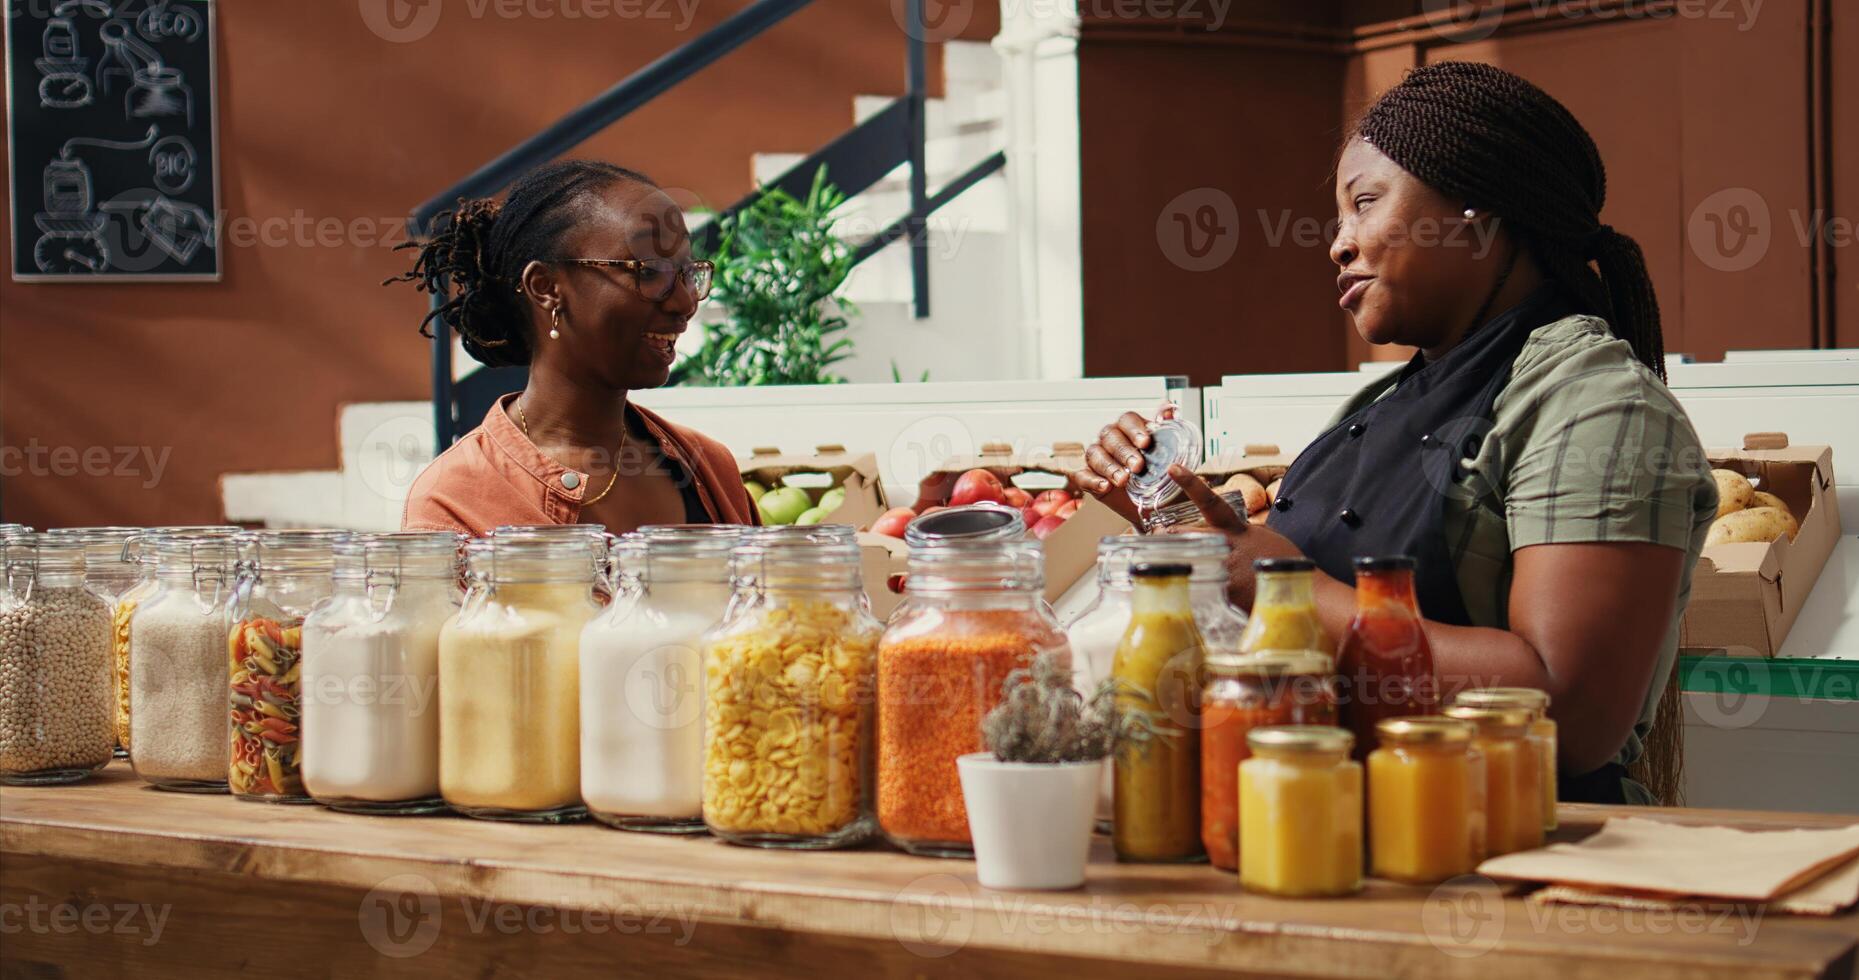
473, 259
1487, 137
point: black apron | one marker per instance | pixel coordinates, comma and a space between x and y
1377, 483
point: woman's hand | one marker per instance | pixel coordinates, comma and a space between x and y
1248, 542
1117, 454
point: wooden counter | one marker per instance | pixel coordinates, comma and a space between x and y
111, 878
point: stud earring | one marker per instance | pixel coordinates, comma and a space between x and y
1470, 214
555, 323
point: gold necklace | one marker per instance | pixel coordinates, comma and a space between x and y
523, 417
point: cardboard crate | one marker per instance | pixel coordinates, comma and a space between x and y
883, 560
1745, 597
1265, 463
832, 465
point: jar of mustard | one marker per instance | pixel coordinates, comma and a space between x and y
1513, 779
1542, 732
1300, 813
1426, 807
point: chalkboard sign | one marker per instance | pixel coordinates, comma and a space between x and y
111, 143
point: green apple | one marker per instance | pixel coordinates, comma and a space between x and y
833, 499
784, 505
814, 516
755, 490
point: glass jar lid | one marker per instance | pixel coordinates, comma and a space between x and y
1272, 663
31, 553
976, 564
103, 546
984, 521
140, 548
288, 549
1528, 698
1171, 441
8, 531
1300, 738
1424, 730
189, 550
692, 540
396, 553
1494, 720
818, 555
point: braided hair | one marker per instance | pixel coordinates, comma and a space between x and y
1487, 137
475, 255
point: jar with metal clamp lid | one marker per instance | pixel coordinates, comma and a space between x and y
54, 665
178, 670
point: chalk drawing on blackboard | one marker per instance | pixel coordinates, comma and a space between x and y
66, 82
156, 90
71, 229
160, 22
174, 164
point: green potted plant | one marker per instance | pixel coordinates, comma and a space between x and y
1032, 796
780, 272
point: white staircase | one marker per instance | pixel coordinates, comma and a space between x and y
970, 335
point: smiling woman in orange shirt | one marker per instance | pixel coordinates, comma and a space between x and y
584, 274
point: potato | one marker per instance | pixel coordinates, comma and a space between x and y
1733, 491
1256, 499
1754, 524
1271, 490
1762, 498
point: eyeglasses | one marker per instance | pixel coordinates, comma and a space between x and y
655, 278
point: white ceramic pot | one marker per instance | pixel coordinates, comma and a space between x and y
1031, 822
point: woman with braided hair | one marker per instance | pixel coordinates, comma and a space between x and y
1529, 457
583, 273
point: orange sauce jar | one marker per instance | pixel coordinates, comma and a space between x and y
1300, 813
1542, 732
1513, 777
1426, 807
1271, 687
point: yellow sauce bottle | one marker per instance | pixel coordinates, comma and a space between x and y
1300, 812
1513, 778
1542, 732
1157, 785
1284, 610
1426, 808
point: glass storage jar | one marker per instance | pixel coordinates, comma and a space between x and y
973, 612
55, 717
642, 672
1542, 732
788, 695
138, 552
1159, 671
1513, 779
178, 665
1097, 629
282, 575
370, 688
1300, 813
1284, 608
109, 571
1426, 808
509, 670
1385, 665
1270, 687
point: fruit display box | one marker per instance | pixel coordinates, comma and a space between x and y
1745, 596
1262, 465
794, 486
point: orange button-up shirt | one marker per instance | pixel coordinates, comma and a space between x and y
494, 475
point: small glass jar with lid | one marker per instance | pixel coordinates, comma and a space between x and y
282, 576
1284, 608
1542, 732
642, 678
1300, 813
509, 669
1513, 779
1426, 807
178, 665
973, 612
788, 681
55, 716
1160, 671
1244, 692
370, 675
138, 552
1097, 629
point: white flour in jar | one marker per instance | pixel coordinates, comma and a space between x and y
642, 698
371, 710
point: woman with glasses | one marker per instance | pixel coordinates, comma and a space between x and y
582, 273
1529, 458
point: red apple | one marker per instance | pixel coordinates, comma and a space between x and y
1066, 510
976, 486
1013, 496
893, 522
1030, 516
925, 512
1046, 526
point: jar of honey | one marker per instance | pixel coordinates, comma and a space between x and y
1513, 779
1542, 732
1300, 813
1272, 687
1426, 807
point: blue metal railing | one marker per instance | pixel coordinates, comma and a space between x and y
856, 160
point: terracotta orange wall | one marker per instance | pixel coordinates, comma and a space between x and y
321, 120
1682, 108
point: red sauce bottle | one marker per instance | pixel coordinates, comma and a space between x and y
1385, 667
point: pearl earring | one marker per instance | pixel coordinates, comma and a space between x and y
555, 323
1470, 214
